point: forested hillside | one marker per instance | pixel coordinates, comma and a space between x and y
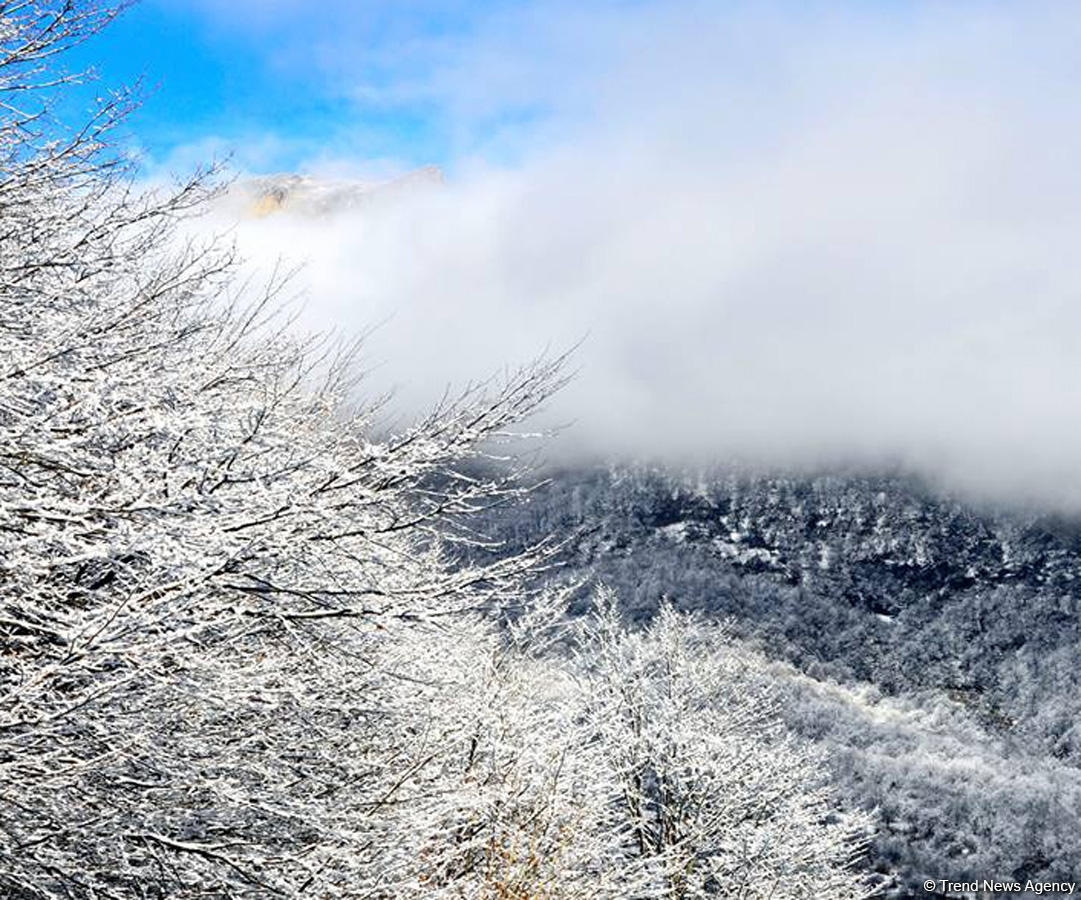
950, 631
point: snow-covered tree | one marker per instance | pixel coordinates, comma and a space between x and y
201, 547
510, 807
715, 799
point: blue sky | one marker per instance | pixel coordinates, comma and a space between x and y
278, 86
413, 82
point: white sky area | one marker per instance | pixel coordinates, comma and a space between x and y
788, 236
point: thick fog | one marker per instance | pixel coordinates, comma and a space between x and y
778, 235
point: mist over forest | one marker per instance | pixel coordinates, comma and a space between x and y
791, 239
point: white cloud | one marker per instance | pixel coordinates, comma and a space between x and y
787, 234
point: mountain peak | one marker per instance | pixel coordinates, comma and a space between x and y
306, 195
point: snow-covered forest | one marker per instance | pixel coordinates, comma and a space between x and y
252, 647
928, 645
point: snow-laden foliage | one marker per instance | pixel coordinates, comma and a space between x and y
714, 798
646, 764
240, 653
